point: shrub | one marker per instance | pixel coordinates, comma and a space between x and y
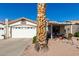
78, 39
76, 34
34, 40
70, 36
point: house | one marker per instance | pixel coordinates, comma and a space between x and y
19, 28
26, 28
2, 30
22, 28
72, 26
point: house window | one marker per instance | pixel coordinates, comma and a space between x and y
16, 27
19, 28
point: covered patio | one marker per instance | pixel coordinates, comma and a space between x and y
56, 29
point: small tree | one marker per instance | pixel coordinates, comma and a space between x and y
76, 34
34, 40
70, 36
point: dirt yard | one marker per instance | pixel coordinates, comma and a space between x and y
56, 48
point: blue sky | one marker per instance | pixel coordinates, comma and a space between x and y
62, 12
54, 11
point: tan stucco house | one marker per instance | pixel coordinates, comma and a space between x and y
26, 28
72, 26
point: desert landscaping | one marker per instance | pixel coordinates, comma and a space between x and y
55, 48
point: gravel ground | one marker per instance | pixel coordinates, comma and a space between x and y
56, 48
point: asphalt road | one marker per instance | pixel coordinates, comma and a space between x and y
13, 47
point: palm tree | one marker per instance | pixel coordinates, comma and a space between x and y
41, 26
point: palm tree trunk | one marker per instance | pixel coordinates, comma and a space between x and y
41, 25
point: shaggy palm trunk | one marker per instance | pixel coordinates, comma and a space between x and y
41, 25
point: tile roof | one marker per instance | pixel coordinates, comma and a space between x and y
20, 19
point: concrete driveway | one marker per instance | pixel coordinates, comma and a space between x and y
13, 47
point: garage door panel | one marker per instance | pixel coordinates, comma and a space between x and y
23, 33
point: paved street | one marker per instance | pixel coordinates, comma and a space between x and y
13, 47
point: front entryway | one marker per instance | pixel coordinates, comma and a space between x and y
56, 30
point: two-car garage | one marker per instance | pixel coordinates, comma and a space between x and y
23, 31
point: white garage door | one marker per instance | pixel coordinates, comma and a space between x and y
23, 32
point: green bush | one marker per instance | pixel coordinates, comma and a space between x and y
34, 40
78, 39
76, 34
70, 36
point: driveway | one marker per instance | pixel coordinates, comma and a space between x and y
13, 47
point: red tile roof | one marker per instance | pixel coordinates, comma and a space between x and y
20, 19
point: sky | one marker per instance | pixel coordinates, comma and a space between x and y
54, 11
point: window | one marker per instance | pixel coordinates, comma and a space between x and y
16, 27
19, 28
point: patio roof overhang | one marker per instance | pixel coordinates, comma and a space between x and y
56, 24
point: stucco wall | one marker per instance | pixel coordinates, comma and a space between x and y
75, 28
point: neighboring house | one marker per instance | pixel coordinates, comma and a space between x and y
72, 26
2, 31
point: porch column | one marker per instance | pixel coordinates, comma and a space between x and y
6, 29
11, 32
51, 32
71, 28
